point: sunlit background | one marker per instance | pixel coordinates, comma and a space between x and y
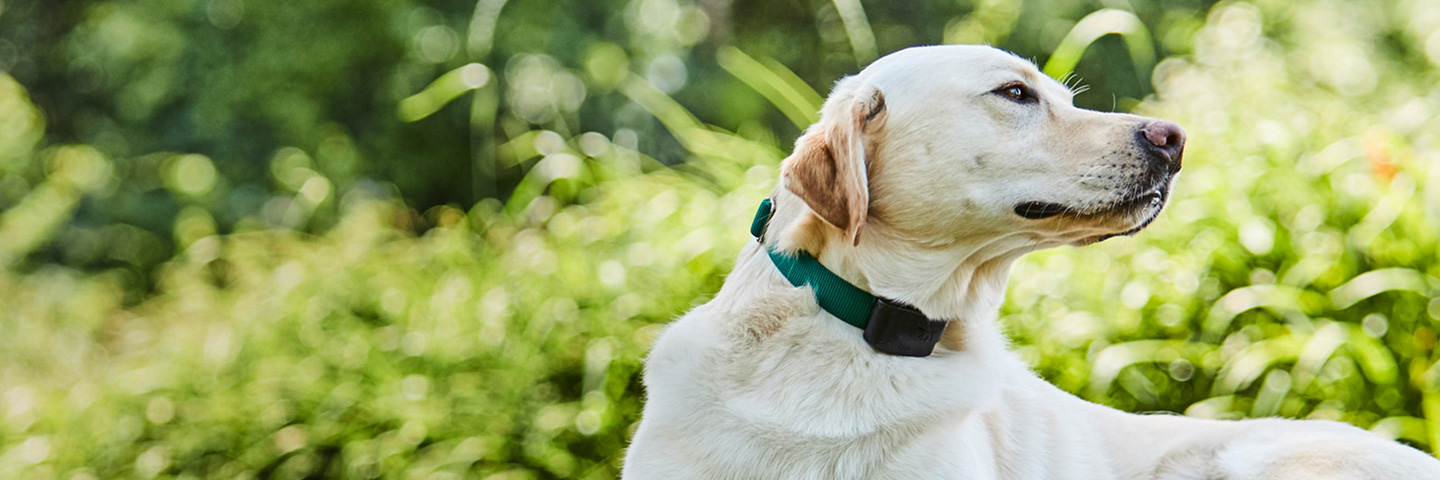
434, 238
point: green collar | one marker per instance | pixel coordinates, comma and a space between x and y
891, 327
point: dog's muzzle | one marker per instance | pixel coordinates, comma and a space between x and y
1163, 145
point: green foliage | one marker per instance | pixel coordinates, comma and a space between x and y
1294, 274
507, 338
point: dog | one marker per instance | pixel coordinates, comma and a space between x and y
857, 337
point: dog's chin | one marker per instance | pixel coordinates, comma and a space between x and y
1138, 215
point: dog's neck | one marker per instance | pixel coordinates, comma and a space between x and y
957, 282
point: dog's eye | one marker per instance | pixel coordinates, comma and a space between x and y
1017, 92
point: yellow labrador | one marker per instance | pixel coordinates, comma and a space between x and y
857, 338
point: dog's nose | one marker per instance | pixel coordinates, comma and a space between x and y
1166, 139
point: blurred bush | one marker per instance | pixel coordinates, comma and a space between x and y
225, 253
419, 95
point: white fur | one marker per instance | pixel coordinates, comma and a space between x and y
761, 383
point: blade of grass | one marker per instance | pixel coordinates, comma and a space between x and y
799, 103
481, 34
812, 99
442, 91
688, 130
1115, 358
1245, 367
1375, 282
1430, 407
1099, 24
1237, 301
857, 27
485, 103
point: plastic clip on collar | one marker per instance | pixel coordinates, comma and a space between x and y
891, 327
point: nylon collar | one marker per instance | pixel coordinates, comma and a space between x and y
890, 326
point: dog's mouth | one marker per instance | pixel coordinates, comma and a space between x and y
1143, 206
1044, 210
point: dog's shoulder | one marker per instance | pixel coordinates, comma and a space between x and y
725, 337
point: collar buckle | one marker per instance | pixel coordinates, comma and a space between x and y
762, 220
900, 329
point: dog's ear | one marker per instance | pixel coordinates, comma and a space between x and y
829, 168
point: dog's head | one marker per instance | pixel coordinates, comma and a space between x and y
964, 144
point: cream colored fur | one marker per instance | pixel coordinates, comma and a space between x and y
760, 383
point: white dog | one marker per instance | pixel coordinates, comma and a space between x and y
928, 174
